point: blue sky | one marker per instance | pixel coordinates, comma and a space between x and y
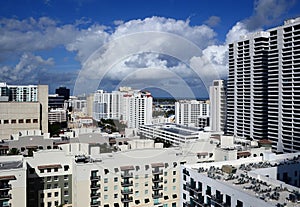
173, 47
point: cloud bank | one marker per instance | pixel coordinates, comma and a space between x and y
189, 52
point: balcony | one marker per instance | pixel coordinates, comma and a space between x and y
157, 187
124, 192
95, 195
96, 178
157, 195
95, 203
5, 187
157, 179
5, 196
95, 186
157, 172
126, 184
127, 175
127, 200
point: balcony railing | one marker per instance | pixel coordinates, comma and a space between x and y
127, 200
95, 186
126, 184
157, 187
158, 195
127, 175
97, 203
5, 196
129, 191
95, 177
157, 172
157, 179
95, 195
5, 187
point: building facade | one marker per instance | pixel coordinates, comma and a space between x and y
192, 113
133, 107
262, 93
217, 94
27, 111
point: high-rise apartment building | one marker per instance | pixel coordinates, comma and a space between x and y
131, 106
192, 113
263, 93
217, 94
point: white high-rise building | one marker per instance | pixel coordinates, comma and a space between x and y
192, 113
134, 107
217, 106
106, 105
263, 93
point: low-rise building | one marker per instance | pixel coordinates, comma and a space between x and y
258, 181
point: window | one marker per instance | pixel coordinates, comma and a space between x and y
146, 192
105, 180
184, 196
48, 179
105, 197
165, 189
66, 193
136, 177
21, 121
28, 121
49, 170
66, 167
166, 173
42, 195
146, 175
55, 178
115, 187
42, 170
49, 195
174, 180
55, 169
56, 203
48, 186
66, 177
146, 184
55, 194
136, 185
35, 121
115, 179
174, 172
173, 204
49, 204
5, 122
105, 188
13, 121
165, 205
136, 193
66, 185
55, 185
115, 195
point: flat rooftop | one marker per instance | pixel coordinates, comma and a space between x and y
272, 191
11, 165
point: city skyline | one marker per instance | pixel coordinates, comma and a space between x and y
42, 44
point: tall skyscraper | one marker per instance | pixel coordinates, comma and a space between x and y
217, 105
263, 93
63, 91
192, 113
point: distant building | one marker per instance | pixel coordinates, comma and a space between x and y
57, 116
63, 91
133, 107
192, 113
56, 101
217, 94
24, 110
